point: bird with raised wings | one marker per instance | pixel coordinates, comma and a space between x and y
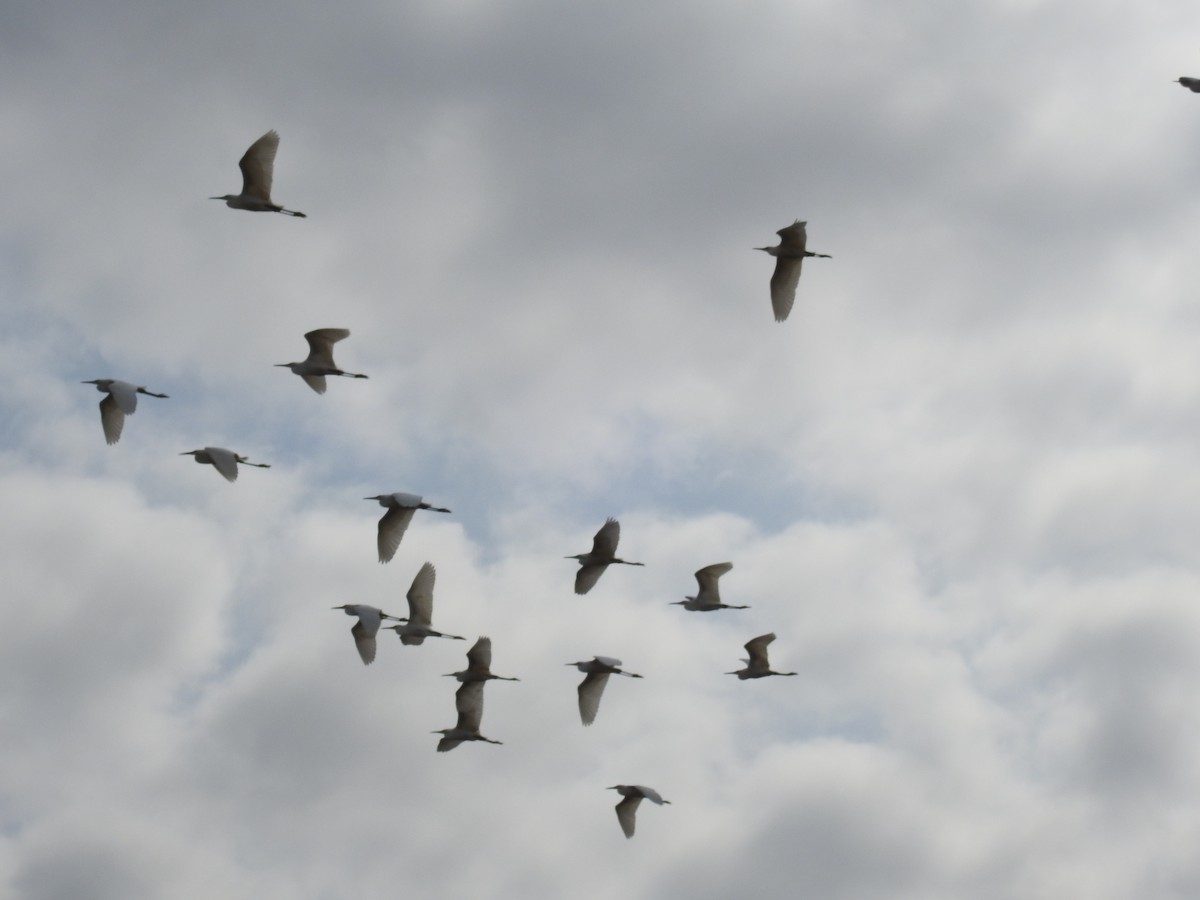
758, 666
708, 597
479, 664
258, 169
420, 610
319, 362
602, 555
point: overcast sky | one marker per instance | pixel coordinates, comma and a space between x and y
959, 482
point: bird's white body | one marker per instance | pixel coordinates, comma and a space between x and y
224, 461
420, 610
319, 362
602, 555
633, 795
120, 402
591, 689
708, 597
365, 629
479, 664
789, 256
400, 509
758, 666
258, 170
468, 701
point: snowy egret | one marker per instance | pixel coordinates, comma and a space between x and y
598, 669
224, 461
634, 794
258, 166
120, 402
603, 555
420, 610
479, 664
393, 524
757, 666
789, 258
1192, 84
319, 361
367, 626
468, 700
708, 597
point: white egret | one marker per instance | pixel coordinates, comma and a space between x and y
367, 626
319, 361
708, 597
598, 668
1192, 84
789, 258
757, 666
224, 461
258, 166
468, 700
479, 664
393, 524
634, 794
120, 402
603, 555
420, 610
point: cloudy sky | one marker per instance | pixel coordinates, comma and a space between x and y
959, 482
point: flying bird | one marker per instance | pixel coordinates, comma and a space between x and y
479, 664
1192, 84
258, 165
365, 629
789, 257
120, 402
598, 669
633, 795
224, 461
603, 555
757, 666
468, 700
393, 524
708, 597
319, 361
420, 610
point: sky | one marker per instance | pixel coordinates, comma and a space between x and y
958, 483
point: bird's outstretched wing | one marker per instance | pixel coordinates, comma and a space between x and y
591, 689
257, 165
391, 528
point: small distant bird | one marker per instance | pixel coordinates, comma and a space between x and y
789, 258
365, 629
224, 461
393, 524
1192, 84
603, 555
258, 166
420, 610
598, 669
468, 700
708, 597
627, 808
479, 664
757, 666
319, 361
120, 402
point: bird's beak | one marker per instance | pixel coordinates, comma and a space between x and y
216, 198
278, 365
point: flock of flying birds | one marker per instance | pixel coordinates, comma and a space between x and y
121, 399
